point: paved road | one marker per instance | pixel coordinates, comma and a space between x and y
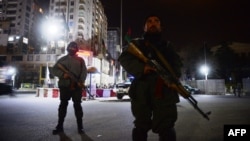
29, 118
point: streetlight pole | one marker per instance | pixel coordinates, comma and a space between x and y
205, 67
205, 60
121, 26
204, 70
121, 70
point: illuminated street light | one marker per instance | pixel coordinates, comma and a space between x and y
54, 34
204, 70
11, 70
51, 28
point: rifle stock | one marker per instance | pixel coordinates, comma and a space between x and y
173, 83
136, 52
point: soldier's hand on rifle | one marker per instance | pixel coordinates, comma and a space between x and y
148, 69
81, 85
66, 76
173, 86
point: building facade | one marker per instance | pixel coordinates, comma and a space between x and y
28, 44
113, 44
86, 23
18, 20
20, 14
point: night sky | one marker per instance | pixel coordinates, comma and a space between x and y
186, 22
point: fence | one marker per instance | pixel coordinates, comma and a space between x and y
211, 86
246, 86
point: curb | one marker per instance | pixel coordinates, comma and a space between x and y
24, 91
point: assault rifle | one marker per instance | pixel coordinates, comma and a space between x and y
170, 80
74, 79
71, 75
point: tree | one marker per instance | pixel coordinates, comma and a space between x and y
227, 62
194, 58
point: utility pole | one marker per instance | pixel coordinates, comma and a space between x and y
121, 69
205, 58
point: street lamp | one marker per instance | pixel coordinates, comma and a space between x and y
204, 70
121, 14
51, 31
52, 28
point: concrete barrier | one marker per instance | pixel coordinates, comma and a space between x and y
99, 93
105, 93
55, 93
48, 92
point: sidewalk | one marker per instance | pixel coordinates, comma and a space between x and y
24, 90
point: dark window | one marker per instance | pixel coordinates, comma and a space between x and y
30, 58
2, 58
16, 58
27, 15
28, 8
44, 71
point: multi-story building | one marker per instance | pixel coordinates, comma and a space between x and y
86, 23
82, 21
20, 14
113, 43
18, 20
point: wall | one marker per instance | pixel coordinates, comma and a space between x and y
211, 86
246, 86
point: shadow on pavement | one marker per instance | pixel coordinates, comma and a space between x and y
64, 137
85, 137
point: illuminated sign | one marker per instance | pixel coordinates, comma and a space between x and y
84, 53
11, 38
25, 40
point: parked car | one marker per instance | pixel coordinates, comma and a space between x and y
121, 89
191, 89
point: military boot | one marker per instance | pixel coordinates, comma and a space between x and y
139, 135
59, 127
80, 126
168, 135
58, 130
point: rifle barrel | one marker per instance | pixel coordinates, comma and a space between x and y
195, 105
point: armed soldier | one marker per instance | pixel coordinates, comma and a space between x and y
153, 103
72, 73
